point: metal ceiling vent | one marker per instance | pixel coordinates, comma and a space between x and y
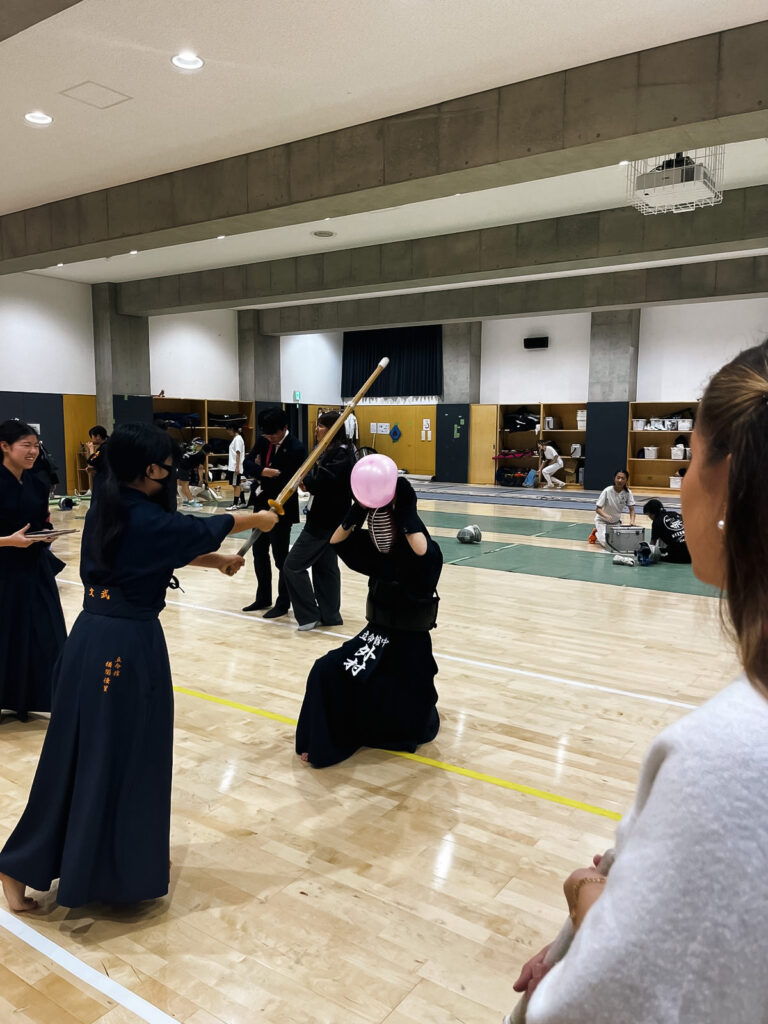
677, 182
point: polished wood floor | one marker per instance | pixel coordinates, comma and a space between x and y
386, 889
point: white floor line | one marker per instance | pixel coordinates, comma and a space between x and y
95, 979
493, 667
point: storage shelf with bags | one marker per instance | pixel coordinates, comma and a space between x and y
569, 432
662, 431
517, 454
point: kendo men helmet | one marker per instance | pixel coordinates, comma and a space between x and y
469, 535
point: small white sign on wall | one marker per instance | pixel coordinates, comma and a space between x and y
426, 425
374, 428
383, 428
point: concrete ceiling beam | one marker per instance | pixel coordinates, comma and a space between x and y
577, 242
712, 89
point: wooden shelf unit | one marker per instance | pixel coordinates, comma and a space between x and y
517, 440
204, 408
655, 473
567, 433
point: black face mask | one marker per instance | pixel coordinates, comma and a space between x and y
166, 497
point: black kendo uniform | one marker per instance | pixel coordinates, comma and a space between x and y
287, 457
98, 815
377, 690
668, 532
32, 628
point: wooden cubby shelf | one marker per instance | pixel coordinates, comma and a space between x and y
658, 472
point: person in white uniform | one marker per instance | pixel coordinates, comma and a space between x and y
675, 931
553, 463
613, 501
235, 467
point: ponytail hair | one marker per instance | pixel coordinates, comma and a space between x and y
733, 420
131, 449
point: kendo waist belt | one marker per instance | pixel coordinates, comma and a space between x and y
111, 602
391, 609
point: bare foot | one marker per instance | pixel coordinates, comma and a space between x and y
305, 758
14, 893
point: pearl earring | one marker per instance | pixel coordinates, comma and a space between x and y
721, 525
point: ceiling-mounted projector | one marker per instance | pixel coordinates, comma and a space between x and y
677, 183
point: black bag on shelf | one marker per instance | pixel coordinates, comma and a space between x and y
219, 445
226, 419
519, 420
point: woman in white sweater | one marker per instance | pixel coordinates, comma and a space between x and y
678, 931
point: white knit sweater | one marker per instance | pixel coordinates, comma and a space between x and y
680, 933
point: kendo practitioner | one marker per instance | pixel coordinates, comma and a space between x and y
98, 815
96, 461
377, 690
271, 463
32, 628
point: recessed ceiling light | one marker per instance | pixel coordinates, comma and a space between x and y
37, 117
134, 252
326, 218
324, 234
623, 163
456, 195
59, 264
219, 237
187, 61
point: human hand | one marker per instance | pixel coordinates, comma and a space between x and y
20, 539
355, 517
404, 510
231, 564
532, 973
268, 519
90, 447
572, 888
270, 471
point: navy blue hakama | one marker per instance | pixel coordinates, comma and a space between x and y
98, 815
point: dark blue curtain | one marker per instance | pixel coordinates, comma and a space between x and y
415, 361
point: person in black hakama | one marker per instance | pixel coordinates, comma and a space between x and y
377, 690
98, 815
32, 628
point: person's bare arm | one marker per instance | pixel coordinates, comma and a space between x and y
228, 564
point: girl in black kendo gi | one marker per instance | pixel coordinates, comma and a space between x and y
98, 815
32, 629
377, 690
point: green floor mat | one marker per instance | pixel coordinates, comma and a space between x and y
510, 525
587, 566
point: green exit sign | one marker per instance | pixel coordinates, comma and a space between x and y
297, 396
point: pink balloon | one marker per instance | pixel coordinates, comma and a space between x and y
373, 481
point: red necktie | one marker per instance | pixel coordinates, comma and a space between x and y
269, 453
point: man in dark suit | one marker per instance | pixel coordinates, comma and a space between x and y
271, 463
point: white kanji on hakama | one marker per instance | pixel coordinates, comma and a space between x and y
367, 652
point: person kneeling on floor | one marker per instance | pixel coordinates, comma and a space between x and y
667, 534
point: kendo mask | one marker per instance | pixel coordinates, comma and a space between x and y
382, 529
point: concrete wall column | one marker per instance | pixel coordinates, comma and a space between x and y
613, 352
259, 357
461, 363
121, 352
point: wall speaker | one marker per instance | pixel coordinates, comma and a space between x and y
535, 342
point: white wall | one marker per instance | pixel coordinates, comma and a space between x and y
682, 346
46, 335
559, 373
194, 355
311, 364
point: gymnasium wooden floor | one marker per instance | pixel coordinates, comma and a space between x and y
391, 888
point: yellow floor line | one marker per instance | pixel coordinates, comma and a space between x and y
492, 780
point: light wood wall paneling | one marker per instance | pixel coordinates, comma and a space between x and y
79, 417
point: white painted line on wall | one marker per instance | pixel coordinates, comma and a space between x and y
95, 979
487, 665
